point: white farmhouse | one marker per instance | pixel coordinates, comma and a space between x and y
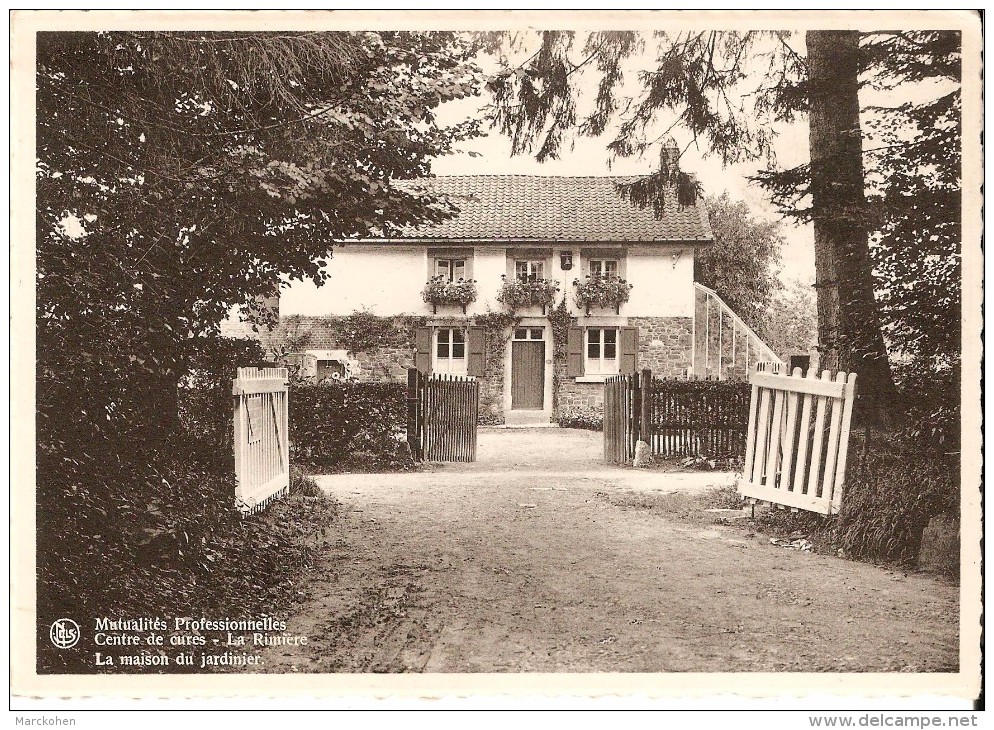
522, 245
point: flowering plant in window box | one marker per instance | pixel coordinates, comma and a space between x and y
601, 291
540, 292
439, 290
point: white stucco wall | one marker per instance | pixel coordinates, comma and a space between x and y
386, 280
488, 264
662, 282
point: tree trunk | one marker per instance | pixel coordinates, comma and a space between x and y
849, 335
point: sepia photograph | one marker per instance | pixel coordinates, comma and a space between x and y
637, 345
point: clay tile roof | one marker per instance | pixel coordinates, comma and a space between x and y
533, 207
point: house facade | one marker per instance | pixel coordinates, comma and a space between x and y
520, 246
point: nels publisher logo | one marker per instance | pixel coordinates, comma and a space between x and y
64, 633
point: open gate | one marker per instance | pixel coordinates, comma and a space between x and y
442, 412
676, 418
799, 439
262, 451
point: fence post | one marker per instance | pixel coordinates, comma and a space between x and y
413, 440
634, 426
645, 403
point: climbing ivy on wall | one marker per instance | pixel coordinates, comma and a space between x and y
561, 321
498, 326
363, 331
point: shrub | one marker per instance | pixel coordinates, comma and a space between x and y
206, 409
155, 533
893, 489
589, 420
339, 425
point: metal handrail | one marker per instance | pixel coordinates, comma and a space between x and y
763, 348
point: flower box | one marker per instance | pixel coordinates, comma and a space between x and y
439, 290
514, 294
601, 291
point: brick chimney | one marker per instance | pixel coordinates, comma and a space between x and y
669, 156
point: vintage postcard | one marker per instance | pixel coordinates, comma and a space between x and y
492, 353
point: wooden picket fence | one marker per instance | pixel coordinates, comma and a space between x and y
798, 439
698, 418
262, 451
675, 417
622, 411
442, 413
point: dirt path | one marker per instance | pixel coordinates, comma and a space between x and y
511, 565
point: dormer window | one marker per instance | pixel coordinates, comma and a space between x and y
603, 267
529, 270
450, 269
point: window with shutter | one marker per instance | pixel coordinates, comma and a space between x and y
450, 351
601, 353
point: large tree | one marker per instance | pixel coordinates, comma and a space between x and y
743, 262
180, 174
849, 335
913, 159
729, 90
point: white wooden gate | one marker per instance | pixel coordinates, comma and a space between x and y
262, 453
798, 439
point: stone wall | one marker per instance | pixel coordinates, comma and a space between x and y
665, 345
388, 362
574, 396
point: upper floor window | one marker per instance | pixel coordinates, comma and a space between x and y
450, 269
602, 351
450, 350
530, 270
603, 267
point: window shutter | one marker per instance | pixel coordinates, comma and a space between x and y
574, 352
422, 349
476, 352
628, 362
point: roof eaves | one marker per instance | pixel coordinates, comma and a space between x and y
521, 239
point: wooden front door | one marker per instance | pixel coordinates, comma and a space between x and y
528, 369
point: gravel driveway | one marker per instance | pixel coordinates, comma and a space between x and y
530, 561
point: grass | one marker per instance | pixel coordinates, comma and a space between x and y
692, 507
940, 545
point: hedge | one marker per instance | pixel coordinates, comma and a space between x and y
155, 533
339, 425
